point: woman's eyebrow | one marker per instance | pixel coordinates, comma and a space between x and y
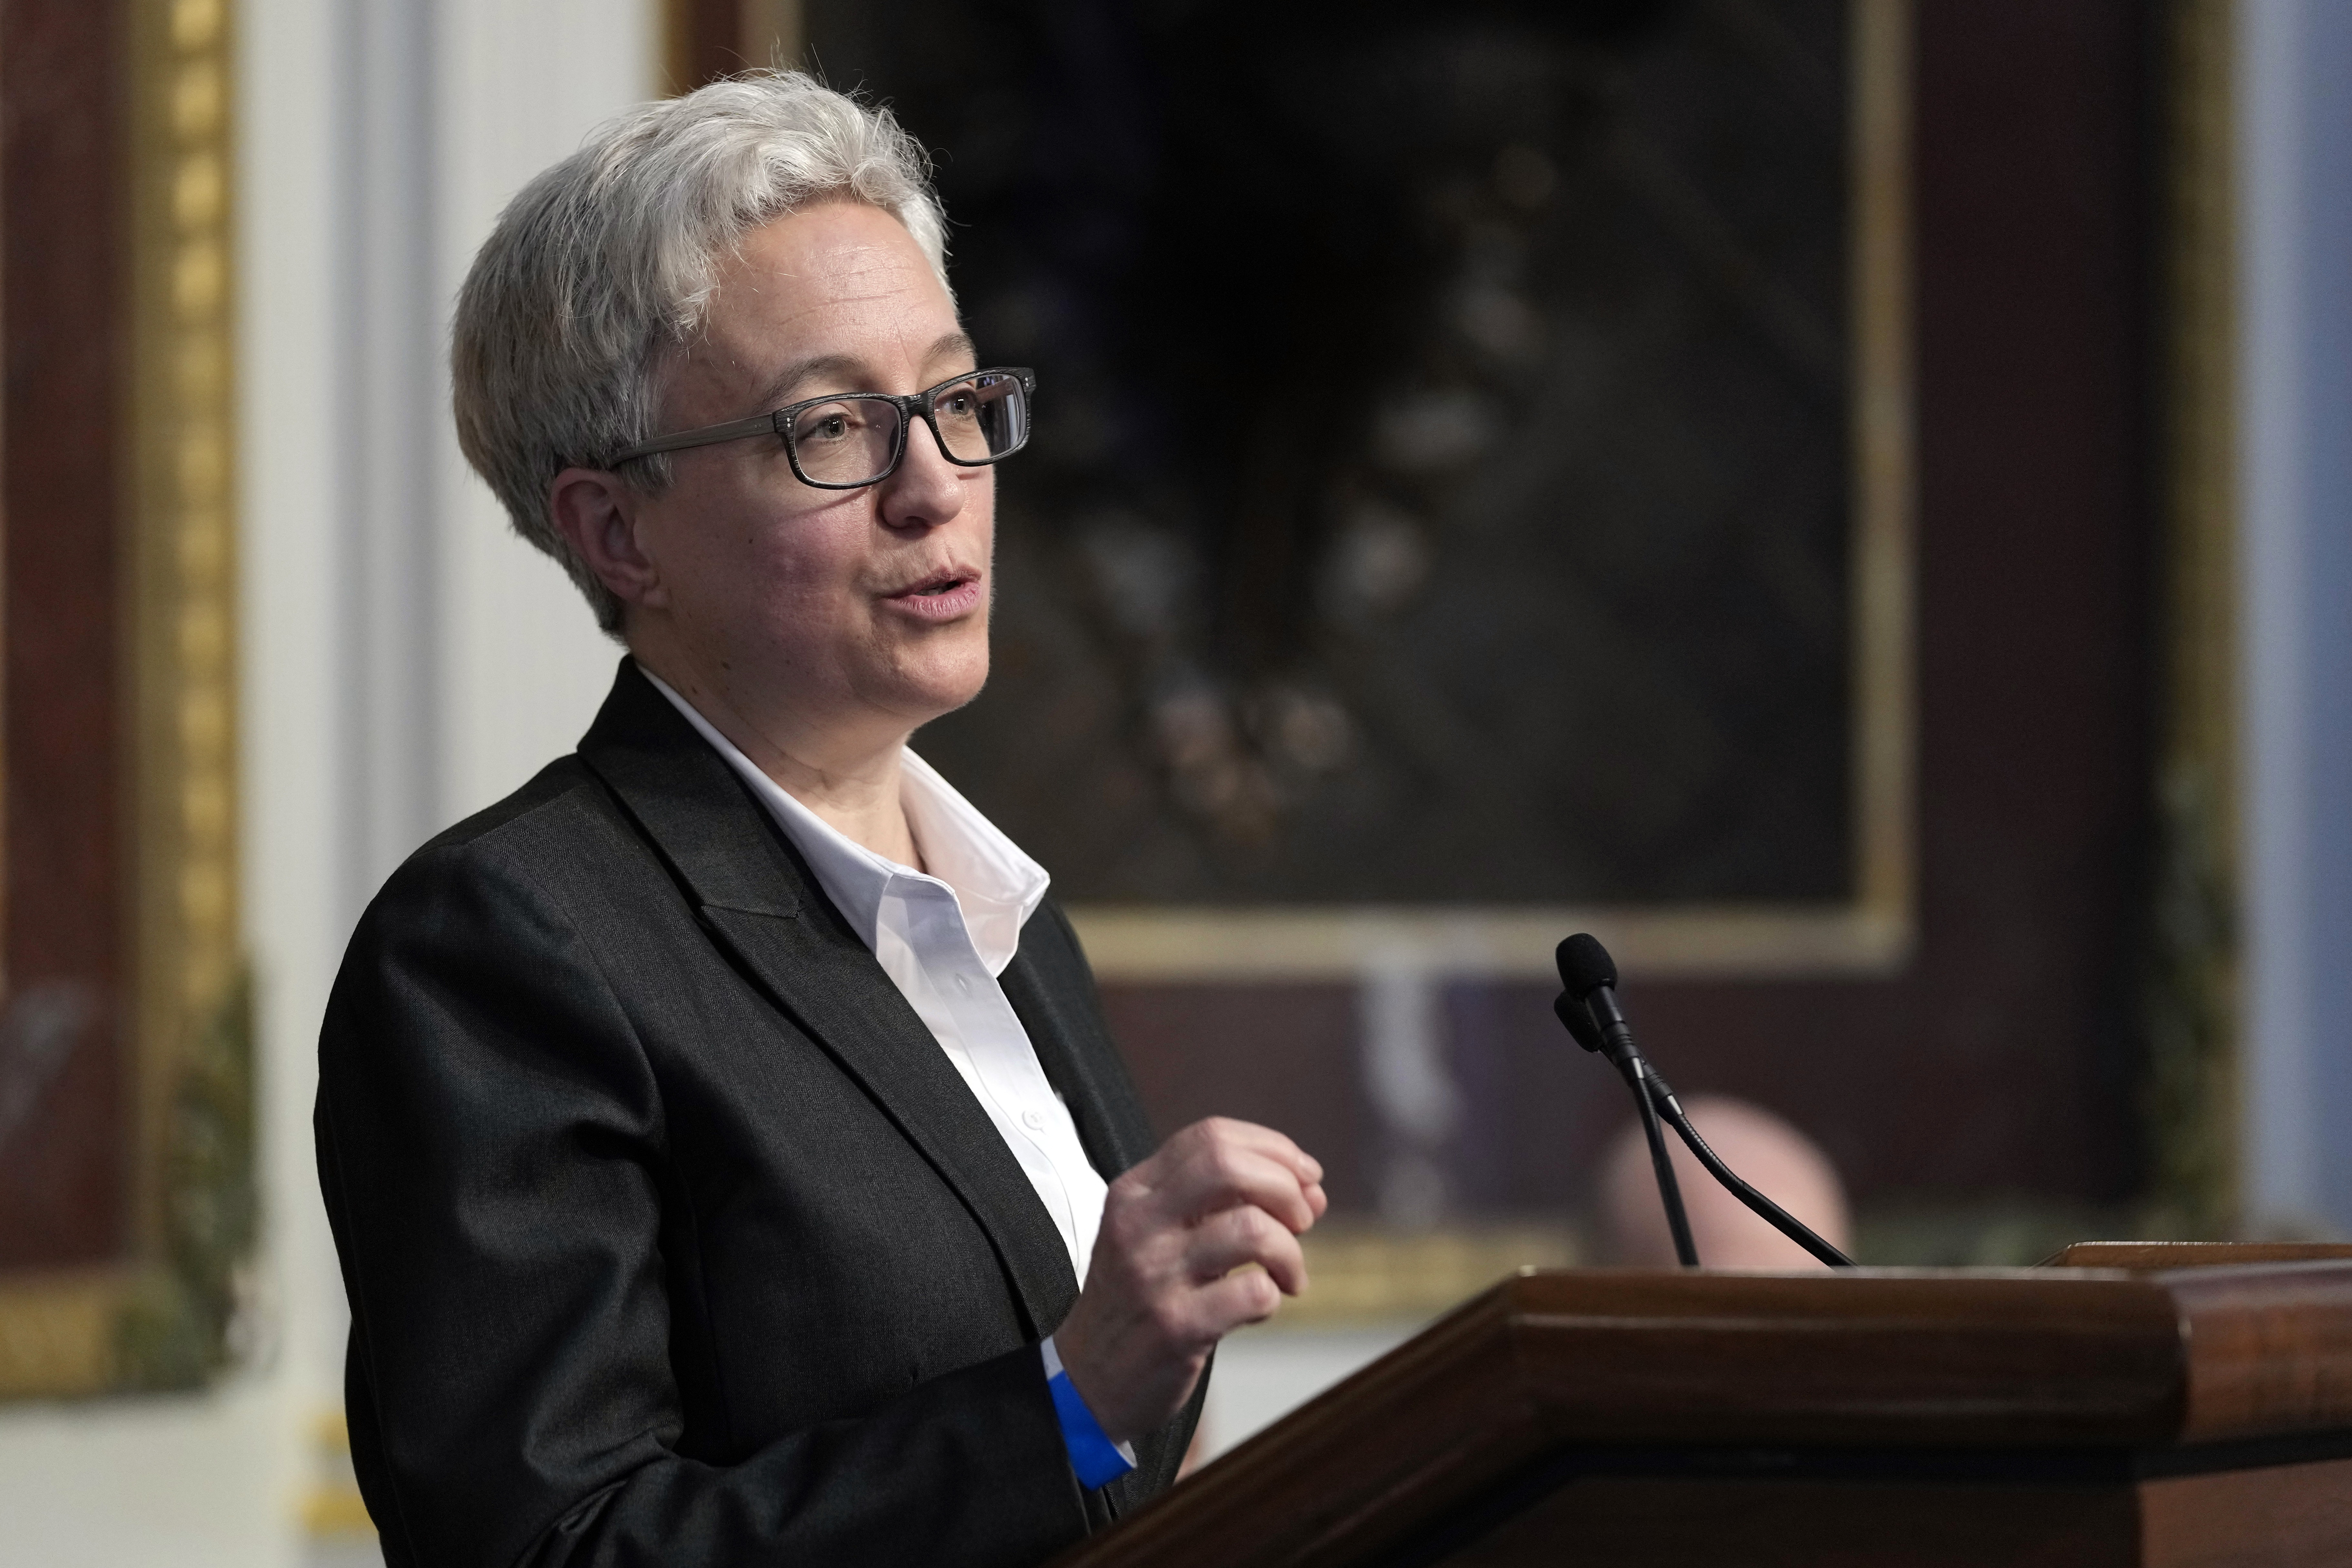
953, 345
779, 389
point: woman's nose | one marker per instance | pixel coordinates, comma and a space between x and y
928, 489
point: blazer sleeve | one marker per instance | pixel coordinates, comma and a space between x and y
491, 1141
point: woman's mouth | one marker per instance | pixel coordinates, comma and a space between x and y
950, 596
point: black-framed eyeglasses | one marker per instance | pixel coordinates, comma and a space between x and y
847, 440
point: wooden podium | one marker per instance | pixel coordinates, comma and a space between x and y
2177, 1405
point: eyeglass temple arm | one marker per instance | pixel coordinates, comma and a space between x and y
708, 435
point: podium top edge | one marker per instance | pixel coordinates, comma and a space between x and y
2151, 1256
2136, 1365
2139, 1358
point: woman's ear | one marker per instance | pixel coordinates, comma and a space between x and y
596, 512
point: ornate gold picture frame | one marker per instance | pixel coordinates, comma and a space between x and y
161, 1310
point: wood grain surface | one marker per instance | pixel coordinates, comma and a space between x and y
2282, 1514
2269, 1347
2148, 1256
2003, 1415
1816, 1524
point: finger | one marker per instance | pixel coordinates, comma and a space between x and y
1219, 1177
1265, 1140
1248, 1297
1216, 1136
1213, 1141
1246, 1236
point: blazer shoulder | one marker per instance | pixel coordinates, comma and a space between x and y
565, 788
562, 824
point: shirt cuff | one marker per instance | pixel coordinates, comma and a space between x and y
1097, 1460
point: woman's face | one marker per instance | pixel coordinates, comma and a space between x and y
845, 615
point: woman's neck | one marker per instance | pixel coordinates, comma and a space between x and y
848, 774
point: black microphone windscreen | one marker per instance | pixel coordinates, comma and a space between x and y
1584, 965
1572, 1012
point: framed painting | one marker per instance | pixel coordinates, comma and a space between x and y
126, 1192
1472, 498
1473, 501
1476, 496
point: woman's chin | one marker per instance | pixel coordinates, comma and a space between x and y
936, 686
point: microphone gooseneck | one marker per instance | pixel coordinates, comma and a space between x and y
1590, 1010
1781, 1219
1591, 979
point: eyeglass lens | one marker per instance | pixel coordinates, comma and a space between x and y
848, 440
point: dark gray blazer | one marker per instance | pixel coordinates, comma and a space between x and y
670, 1234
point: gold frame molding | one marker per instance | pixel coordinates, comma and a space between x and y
158, 1317
1872, 932
2189, 1007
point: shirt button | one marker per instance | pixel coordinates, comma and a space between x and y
963, 983
1033, 1121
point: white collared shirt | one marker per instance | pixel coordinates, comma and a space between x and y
943, 937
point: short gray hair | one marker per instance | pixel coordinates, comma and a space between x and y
603, 266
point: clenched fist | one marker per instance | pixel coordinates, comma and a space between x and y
1163, 1288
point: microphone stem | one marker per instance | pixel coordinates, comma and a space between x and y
1781, 1219
1630, 1063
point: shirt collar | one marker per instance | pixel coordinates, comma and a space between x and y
996, 887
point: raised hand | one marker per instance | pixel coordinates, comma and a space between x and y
1168, 1280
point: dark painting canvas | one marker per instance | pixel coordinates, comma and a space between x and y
1441, 490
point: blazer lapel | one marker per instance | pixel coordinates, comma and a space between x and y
760, 901
1053, 993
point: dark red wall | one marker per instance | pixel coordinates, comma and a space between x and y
64, 1168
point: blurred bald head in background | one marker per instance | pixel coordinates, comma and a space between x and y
1776, 1159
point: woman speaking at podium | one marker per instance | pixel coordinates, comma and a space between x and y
726, 1153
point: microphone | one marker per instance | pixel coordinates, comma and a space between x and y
1590, 1010
1591, 981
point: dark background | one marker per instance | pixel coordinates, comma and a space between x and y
2003, 1065
1440, 486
